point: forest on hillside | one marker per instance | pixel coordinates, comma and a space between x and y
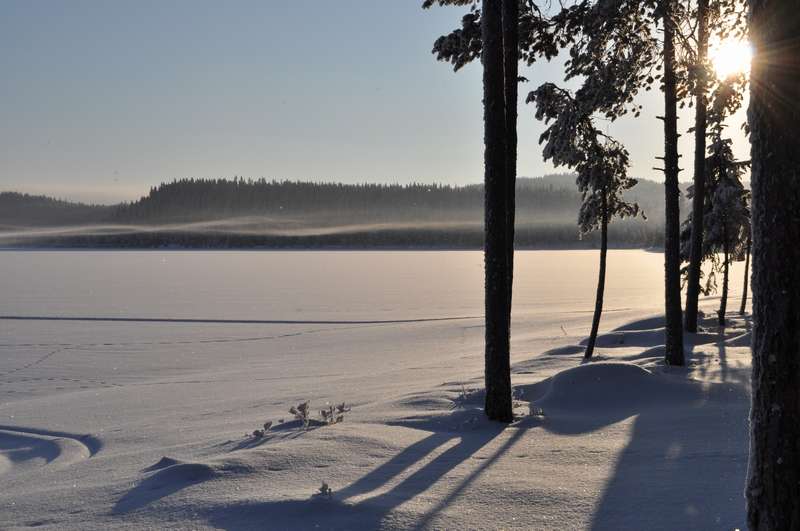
244, 213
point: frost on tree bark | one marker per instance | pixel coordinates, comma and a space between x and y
773, 485
672, 259
700, 124
601, 281
497, 272
743, 307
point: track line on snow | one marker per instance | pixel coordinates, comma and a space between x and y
227, 321
33, 363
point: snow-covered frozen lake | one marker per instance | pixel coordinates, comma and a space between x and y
309, 285
179, 354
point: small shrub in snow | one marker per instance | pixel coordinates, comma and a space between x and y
535, 411
301, 412
518, 396
259, 434
334, 414
463, 397
324, 490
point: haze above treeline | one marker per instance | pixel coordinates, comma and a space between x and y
226, 213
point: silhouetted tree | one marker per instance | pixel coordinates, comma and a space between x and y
773, 485
498, 256
701, 72
672, 261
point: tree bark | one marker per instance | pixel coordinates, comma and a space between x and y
723, 300
672, 259
746, 275
773, 485
497, 293
700, 124
601, 280
511, 75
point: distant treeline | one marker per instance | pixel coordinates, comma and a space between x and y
189, 200
240, 213
24, 210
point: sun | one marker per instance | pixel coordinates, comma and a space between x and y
730, 57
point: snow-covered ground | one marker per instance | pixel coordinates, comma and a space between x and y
141, 422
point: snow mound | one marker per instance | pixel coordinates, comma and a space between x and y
22, 451
600, 386
632, 338
565, 351
180, 472
649, 323
164, 462
169, 476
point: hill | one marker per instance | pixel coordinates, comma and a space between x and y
262, 213
24, 210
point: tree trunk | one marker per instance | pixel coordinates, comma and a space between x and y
601, 280
511, 74
723, 301
672, 259
497, 369
746, 275
773, 486
701, 110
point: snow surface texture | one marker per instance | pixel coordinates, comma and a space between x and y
143, 424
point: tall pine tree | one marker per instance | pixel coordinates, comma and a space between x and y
701, 72
672, 262
773, 485
498, 240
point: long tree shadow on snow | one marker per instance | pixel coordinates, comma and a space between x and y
367, 503
684, 466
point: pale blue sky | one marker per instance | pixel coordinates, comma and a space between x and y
101, 99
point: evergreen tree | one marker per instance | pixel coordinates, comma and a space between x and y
773, 484
616, 55
728, 19
614, 52
725, 211
728, 221
573, 140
